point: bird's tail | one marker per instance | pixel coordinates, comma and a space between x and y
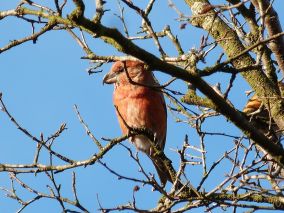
166, 173
162, 170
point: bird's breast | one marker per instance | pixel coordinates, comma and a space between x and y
131, 91
141, 107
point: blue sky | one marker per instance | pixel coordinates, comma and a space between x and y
41, 83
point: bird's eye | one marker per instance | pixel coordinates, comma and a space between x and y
120, 69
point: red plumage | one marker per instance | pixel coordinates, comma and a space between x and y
140, 105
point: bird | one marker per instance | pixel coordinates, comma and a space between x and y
140, 103
257, 113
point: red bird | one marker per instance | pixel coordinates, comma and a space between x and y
257, 113
140, 105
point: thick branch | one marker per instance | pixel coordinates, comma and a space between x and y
273, 26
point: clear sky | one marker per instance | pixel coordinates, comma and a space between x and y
41, 83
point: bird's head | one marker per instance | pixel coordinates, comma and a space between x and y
123, 72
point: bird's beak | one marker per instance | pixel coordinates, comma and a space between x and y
109, 78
